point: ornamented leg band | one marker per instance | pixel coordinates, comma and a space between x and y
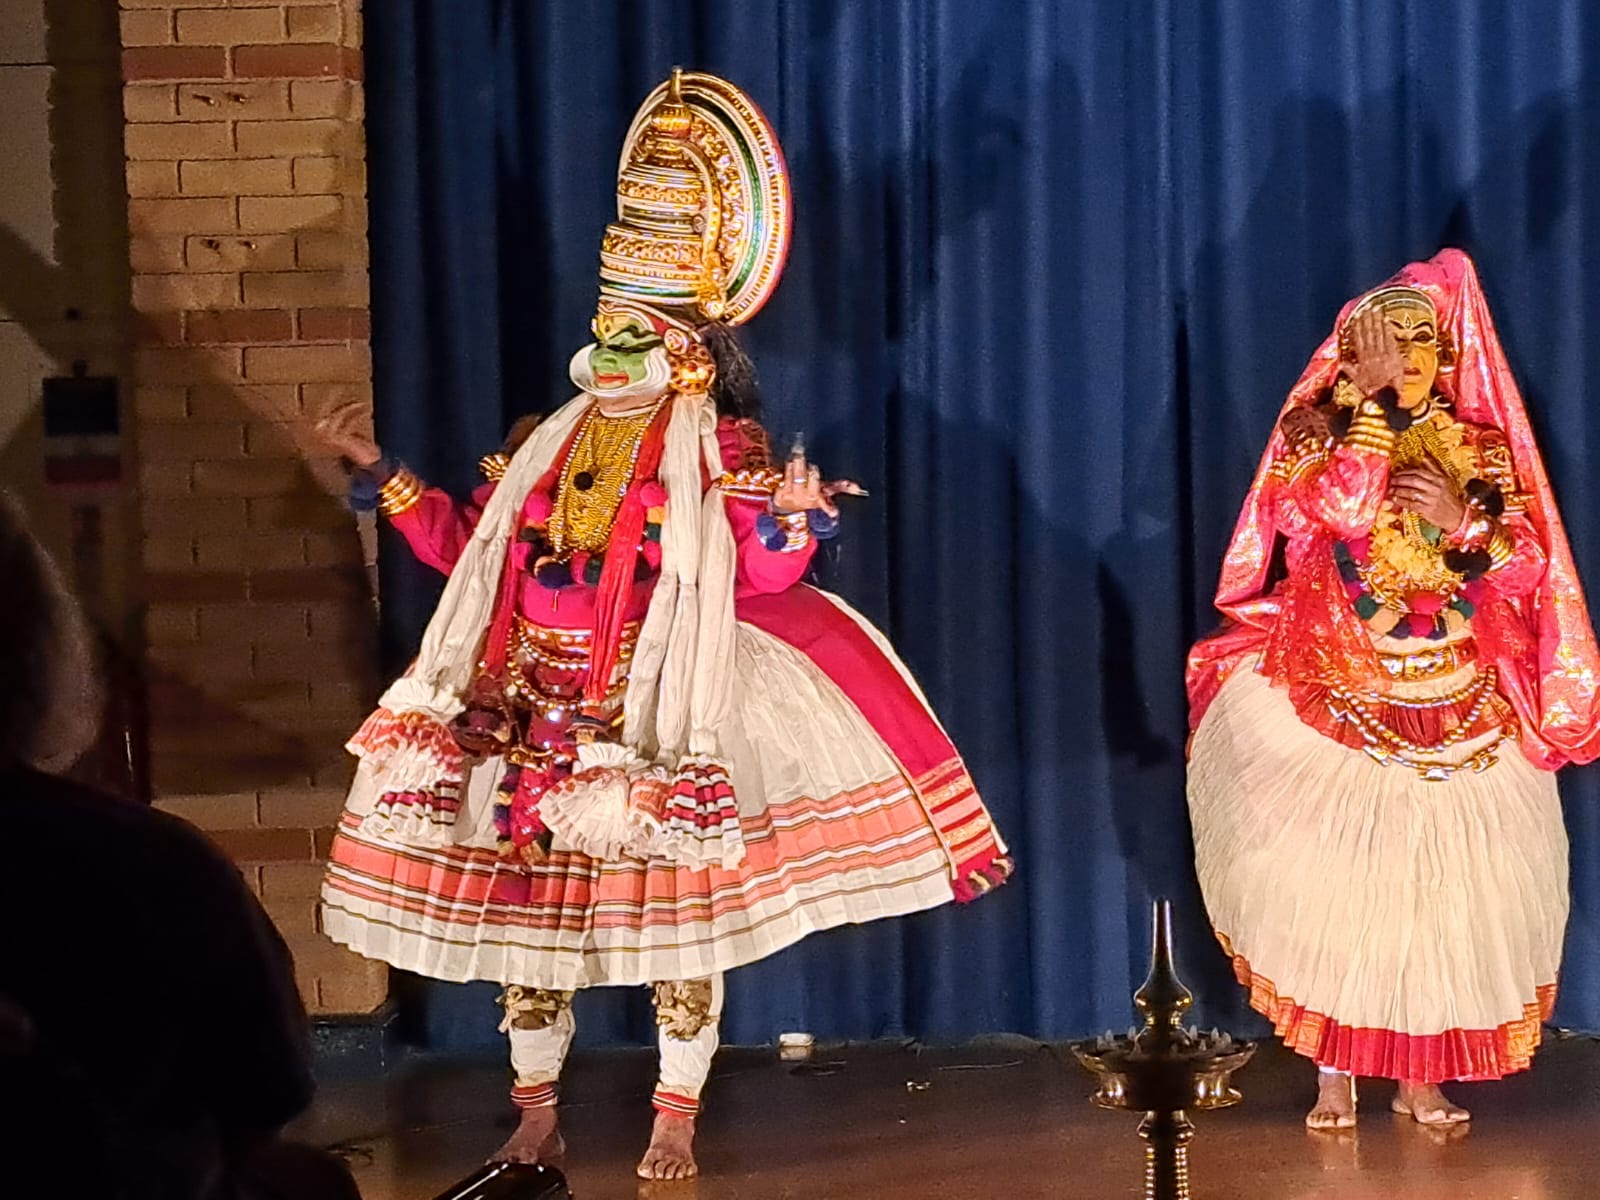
541, 1095
688, 1013
539, 1025
666, 1101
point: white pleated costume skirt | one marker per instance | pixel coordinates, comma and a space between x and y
837, 831
1388, 925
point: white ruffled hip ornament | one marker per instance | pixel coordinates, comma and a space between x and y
617, 805
422, 770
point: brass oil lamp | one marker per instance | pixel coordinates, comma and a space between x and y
1164, 1069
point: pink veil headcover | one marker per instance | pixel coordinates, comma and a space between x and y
1542, 642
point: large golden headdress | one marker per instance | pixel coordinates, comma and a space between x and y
703, 207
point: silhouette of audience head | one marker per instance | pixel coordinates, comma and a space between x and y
51, 706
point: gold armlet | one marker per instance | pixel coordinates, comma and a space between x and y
494, 466
1501, 546
400, 493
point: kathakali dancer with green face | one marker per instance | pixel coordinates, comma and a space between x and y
1407, 662
635, 748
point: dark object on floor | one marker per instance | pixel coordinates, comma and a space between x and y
509, 1181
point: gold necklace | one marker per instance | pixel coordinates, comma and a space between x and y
595, 478
1421, 442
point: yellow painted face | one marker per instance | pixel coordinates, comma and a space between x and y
1415, 331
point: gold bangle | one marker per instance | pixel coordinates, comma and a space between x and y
1299, 460
1478, 530
1501, 546
494, 466
1369, 431
399, 493
796, 528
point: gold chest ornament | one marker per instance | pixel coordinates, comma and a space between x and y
1407, 553
594, 480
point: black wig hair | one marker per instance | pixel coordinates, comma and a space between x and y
735, 389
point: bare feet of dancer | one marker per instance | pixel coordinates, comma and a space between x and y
537, 1140
1336, 1102
671, 1152
1425, 1104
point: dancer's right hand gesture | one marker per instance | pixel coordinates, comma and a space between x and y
1379, 362
346, 431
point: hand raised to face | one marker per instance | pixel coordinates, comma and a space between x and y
1379, 362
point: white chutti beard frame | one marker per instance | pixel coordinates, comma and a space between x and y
657, 375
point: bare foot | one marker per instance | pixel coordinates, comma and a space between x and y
671, 1152
537, 1140
1425, 1104
1336, 1102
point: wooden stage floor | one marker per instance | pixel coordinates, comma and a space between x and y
996, 1120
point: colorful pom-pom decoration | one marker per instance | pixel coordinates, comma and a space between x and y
823, 525
553, 575
1427, 603
1419, 625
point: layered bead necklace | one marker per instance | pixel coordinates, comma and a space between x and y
595, 478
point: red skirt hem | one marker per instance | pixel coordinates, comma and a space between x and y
1453, 1055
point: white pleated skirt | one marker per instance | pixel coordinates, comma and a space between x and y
1387, 924
836, 834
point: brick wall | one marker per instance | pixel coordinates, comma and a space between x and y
247, 222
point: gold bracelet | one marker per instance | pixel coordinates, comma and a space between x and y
1478, 530
796, 528
1299, 460
400, 493
1346, 394
494, 466
1501, 546
1371, 443
1370, 431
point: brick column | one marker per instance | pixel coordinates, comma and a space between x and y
247, 215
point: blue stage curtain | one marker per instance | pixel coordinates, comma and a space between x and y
1055, 266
